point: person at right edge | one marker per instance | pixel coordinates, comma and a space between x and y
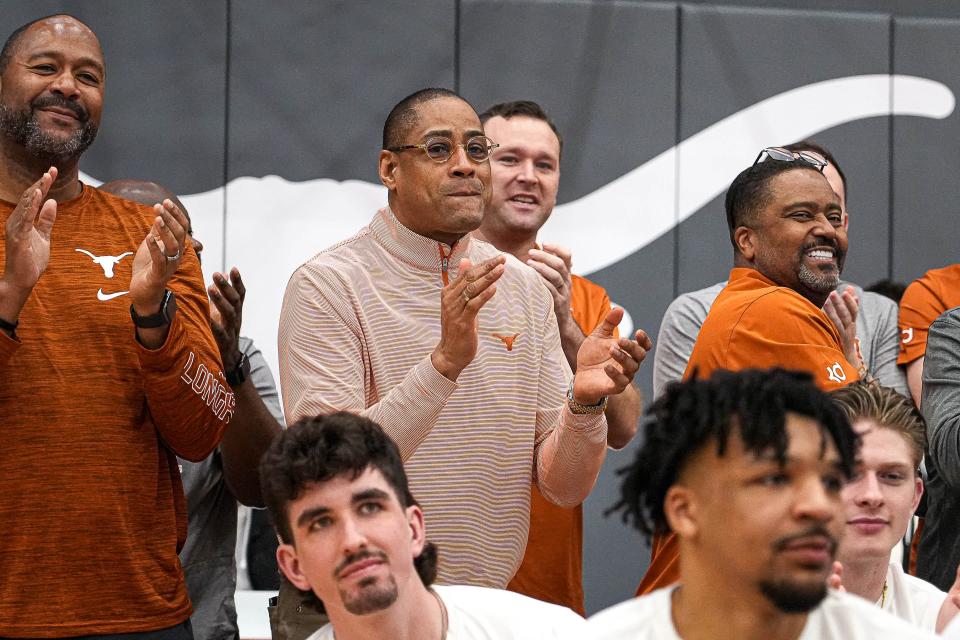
786, 227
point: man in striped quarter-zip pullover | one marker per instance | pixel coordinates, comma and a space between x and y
452, 347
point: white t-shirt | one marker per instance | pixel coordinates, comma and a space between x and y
479, 613
839, 617
912, 599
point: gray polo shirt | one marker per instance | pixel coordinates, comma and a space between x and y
876, 328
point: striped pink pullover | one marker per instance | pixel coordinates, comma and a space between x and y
358, 325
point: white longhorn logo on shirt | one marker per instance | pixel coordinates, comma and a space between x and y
907, 335
106, 262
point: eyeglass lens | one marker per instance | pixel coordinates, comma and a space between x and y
440, 149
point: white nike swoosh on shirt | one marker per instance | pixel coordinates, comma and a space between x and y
109, 296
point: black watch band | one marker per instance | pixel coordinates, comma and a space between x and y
239, 374
168, 307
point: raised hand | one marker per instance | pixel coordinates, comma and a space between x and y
605, 366
553, 263
835, 579
158, 257
226, 315
27, 249
842, 310
460, 302
950, 606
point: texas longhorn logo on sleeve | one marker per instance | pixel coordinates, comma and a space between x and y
906, 335
108, 264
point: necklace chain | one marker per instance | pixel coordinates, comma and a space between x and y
444, 622
883, 595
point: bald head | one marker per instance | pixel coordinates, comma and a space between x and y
142, 191
60, 23
150, 193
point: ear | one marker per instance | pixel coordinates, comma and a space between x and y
388, 165
918, 493
418, 529
290, 565
744, 239
680, 509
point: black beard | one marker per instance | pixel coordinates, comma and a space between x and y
23, 129
792, 597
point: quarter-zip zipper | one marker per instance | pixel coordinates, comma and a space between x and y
444, 264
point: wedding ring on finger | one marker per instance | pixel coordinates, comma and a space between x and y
174, 257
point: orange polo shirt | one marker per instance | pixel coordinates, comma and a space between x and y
755, 324
922, 303
552, 568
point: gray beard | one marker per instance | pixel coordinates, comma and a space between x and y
23, 129
817, 281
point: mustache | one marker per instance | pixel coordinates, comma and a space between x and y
818, 530
357, 557
59, 101
469, 184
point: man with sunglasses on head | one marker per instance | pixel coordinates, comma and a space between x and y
875, 321
452, 347
789, 242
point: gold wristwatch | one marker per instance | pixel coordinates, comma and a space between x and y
584, 409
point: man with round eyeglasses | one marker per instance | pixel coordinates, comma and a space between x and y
452, 347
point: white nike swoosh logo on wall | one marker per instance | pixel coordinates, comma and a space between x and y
623, 216
109, 296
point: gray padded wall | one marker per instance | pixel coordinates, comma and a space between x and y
212, 98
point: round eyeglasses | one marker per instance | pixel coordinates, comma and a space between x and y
439, 148
812, 158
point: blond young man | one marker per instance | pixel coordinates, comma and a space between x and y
880, 500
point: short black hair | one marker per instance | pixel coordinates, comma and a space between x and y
6, 53
521, 108
691, 415
750, 191
889, 288
810, 145
404, 114
318, 449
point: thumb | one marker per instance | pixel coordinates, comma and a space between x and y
48, 214
463, 266
606, 328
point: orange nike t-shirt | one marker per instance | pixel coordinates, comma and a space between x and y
552, 567
93, 509
922, 303
754, 323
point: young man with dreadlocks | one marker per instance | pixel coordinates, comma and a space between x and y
352, 533
747, 469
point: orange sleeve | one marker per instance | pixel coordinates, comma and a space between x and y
920, 306
778, 330
8, 346
186, 390
589, 304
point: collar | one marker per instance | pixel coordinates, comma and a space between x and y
416, 250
